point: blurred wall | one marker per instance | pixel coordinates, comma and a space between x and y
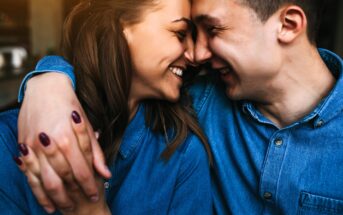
339, 33
46, 24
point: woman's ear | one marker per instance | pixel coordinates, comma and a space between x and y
126, 33
126, 29
293, 23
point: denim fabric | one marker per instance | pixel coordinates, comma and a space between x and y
142, 182
260, 169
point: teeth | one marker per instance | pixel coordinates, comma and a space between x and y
177, 71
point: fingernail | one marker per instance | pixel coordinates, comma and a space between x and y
96, 134
44, 139
94, 198
49, 209
76, 117
18, 161
23, 149
108, 171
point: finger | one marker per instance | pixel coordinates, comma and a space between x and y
53, 185
36, 187
99, 161
83, 139
29, 158
39, 193
57, 160
83, 173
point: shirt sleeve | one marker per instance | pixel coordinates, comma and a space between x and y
48, 64
192, 194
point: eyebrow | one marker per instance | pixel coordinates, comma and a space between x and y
206, 19
183, 19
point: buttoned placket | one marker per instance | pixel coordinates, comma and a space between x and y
273, 164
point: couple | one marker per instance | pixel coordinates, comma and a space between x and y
273, 126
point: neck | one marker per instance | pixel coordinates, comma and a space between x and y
133, 107
303, 82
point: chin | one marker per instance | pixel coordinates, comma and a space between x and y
232, 94
172, 98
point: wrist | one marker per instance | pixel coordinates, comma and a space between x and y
48, 79
49, 84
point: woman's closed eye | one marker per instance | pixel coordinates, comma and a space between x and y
181, 35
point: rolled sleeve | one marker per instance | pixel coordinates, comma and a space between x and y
48, 64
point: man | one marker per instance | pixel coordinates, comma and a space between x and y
276, 140
277, 145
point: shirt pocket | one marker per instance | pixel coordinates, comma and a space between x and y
310, 204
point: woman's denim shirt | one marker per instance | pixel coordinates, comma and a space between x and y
142, 182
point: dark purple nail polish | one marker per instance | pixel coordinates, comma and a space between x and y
23, 149
76, 117
44, 139
18, 161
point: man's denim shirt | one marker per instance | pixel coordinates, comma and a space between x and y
261, 169
142, 182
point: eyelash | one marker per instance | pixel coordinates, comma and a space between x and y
181, 35
214, 30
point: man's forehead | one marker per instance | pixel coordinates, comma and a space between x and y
205, 11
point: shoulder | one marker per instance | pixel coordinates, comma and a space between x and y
9, 117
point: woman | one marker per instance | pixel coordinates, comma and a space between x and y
130, 57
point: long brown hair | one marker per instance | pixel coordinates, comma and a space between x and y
94, 43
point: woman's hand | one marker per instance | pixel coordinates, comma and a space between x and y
52, 123
72, 200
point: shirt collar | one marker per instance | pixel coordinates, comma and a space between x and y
333, 103
330, 105
133, 133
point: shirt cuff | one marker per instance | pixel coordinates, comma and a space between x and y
48, 64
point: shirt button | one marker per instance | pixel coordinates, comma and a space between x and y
320, 123
267, 195
278, 142
107, 185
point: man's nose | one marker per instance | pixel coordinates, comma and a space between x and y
189, 51
202, 51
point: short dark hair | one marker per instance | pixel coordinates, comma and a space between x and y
313, 10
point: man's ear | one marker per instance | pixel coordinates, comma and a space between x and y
293, 23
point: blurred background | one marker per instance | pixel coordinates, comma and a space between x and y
30, 29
